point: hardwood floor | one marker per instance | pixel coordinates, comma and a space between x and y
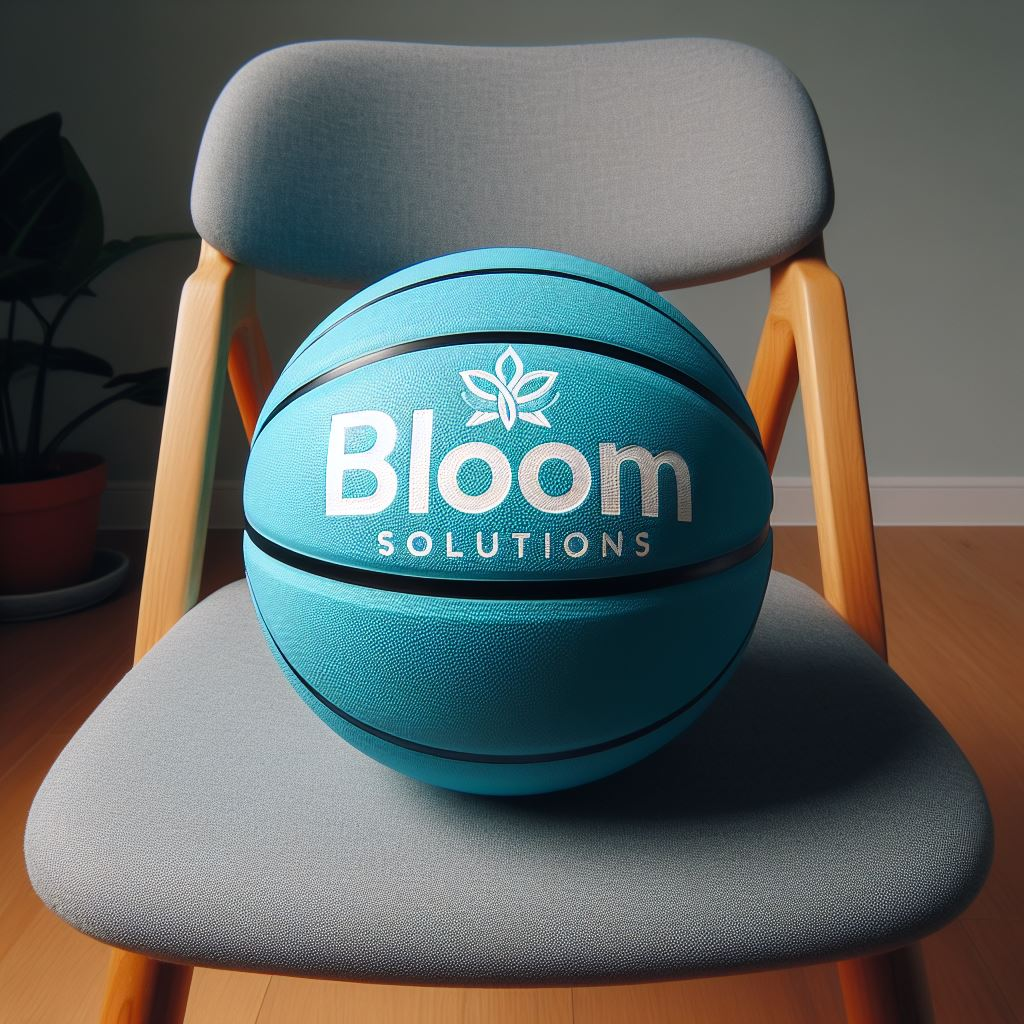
955, 605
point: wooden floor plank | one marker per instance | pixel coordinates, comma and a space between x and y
295, 1001
998, 946
955, 608
18, 903
808, 995
225, 997
963, 988
56, 663
51, 974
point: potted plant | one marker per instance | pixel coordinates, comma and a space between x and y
52, 246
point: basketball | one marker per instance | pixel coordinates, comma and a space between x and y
507, 521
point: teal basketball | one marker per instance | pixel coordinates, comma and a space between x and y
507, 521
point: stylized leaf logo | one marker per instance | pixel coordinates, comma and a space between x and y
509, 393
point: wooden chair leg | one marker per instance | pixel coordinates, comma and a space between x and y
214, 302
809, 297
144, 991
249, 368
773, 382
889, 988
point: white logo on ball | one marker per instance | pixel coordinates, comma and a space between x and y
509, 394
376, 460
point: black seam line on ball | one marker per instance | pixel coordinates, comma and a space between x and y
601, 348
486, 271
507, 590
458, 755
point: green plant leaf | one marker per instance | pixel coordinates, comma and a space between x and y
87, 242
116, 249
16, 266
148, 387
50, 213
20, 354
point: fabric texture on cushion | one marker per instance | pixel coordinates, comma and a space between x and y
674, 160
818, 810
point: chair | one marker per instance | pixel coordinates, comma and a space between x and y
817, 812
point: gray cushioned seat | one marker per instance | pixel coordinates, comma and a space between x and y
675, 160
203, 813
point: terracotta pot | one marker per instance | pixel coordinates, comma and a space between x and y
48, 527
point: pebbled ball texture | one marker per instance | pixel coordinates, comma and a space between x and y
507, 521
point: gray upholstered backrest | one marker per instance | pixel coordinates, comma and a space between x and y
675, 160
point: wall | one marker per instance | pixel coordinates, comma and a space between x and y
921, 108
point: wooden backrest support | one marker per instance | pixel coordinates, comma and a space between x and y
806, 338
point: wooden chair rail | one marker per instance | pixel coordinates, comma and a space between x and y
249, 369
773, 382
216, 315
806, 337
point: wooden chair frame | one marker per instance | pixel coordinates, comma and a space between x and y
806, 339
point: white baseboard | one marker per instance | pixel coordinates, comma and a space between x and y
895, 500
917, 501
